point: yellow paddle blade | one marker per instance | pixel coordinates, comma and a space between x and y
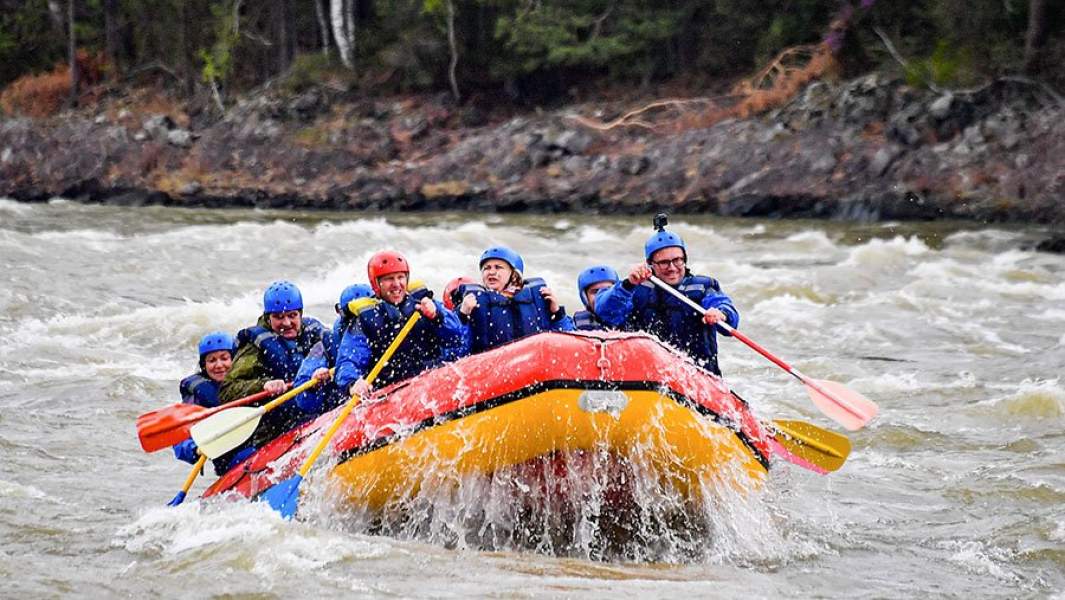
226, 430
818, 446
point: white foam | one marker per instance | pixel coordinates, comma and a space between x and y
15, 207
11, 489
981, 558
879, 253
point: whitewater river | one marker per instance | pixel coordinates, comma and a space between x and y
956, 490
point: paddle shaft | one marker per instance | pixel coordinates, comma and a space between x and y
350, 405
260, 411
196, 468
760, 350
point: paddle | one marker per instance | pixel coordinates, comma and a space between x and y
196, 468
284, 496
164, 427
841, 404
810, 446
222, 432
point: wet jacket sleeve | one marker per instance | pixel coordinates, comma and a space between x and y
613, 305
312, 400
715, 298
454, 334
247, 376
560, 321
353, 357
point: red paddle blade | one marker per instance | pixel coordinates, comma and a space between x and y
167, 426
840, 403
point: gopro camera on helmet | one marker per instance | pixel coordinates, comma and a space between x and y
660, 221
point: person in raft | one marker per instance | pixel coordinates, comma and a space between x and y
201, 388
270, 353
376, 322
636, 304
589, 282
507, 306
322, 357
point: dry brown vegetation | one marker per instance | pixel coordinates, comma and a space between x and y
771, 87
43, 95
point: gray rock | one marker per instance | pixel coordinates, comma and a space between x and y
883, 159
1022, 161
140, 136
963, 149
825, 164
158, 126
179, 137
6, 155
190, 189
632, 165
940, 108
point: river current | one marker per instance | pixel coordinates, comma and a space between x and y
956, 490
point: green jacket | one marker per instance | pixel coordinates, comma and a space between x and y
248, 374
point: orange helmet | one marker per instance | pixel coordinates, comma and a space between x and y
452, 287
385, 262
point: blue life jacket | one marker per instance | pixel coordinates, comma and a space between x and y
199, 390
586, 320
374, 327
340, 325
282, 358
499, 319
648, 308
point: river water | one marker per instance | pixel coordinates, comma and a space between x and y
956, 490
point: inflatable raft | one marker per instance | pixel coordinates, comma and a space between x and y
551, 395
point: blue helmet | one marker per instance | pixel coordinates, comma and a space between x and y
506, 255
663, 239
215, 341
282, 296
354, 292
594, 275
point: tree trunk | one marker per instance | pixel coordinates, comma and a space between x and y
188, 78
284, 58
1036, 36
338, 17
111, 41
323, 25
72, 53
453, 45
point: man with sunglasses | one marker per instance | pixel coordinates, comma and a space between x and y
636, 304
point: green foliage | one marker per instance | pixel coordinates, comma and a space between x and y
581, 34
218, 59
948, 65
28, 41
311, 69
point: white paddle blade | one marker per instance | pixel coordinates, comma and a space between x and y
842, 404
226, 430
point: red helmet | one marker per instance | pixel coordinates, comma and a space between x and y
384, 263
452, 287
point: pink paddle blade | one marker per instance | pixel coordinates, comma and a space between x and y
840, 403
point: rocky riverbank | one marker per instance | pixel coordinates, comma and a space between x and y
868, 149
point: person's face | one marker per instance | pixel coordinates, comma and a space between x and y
393, 287
668, 264
495, 274
592, 290
217, 364
286, 324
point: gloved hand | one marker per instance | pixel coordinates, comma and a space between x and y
187, 451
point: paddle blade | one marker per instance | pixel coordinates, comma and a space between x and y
841, 404
167, 426
820, 448
284, 496
222, 432
177, 499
